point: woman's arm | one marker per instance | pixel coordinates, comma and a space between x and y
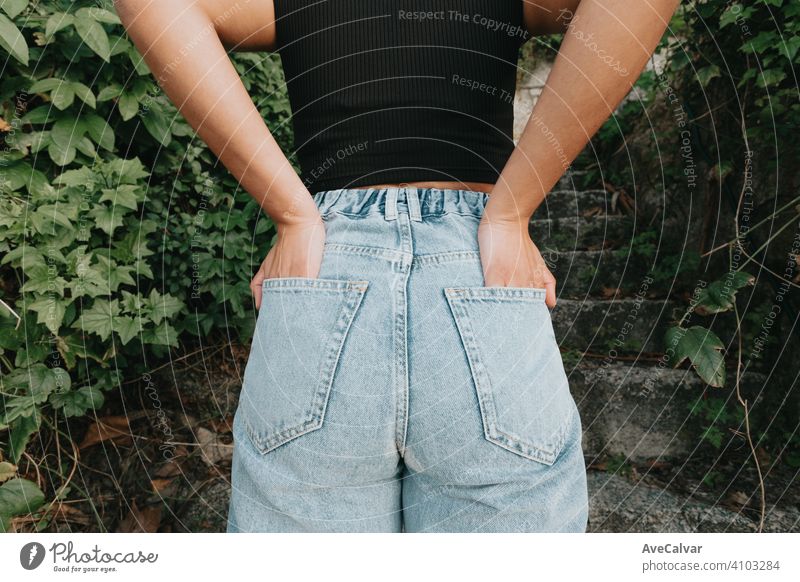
184, 44
606, 47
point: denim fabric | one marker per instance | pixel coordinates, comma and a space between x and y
396, 392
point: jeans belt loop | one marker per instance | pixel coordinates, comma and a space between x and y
412, 197
390, 208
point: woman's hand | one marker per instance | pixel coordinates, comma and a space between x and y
298, 253
510, 259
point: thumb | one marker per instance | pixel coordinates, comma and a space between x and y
550, 295
256, 286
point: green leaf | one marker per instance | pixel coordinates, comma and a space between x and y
50, 310
140, 88
45, 284
41, 114
16, 176
45, 85
61, 155
28, 256
90, 280
47, 217
39, 381
163, 306
80, 177
119, 45
62, 96
13, 7
98, 319
18, 497
106, 218
126, 195
101, 15
17, 407
129, 170
93, 34
131, 303
86, 147
790, 47
719, 296
163, 335
111, 91
20, 434
157, 125
127, 327
732, 13
12, 41
704, 350
84, 93
138, 62
56, 22
705, 74
65, 132
6, 156
128, 106
78, 402
99, 131
770, 77
39, 141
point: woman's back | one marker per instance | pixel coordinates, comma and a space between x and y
385, 91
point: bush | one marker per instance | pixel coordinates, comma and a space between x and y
120, 235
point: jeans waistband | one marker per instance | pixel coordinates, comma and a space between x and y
418, 202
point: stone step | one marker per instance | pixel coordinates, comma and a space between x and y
575, 204
569, 234
619, 504
641, 411
636, 411
631, 325
571, 180
585, 273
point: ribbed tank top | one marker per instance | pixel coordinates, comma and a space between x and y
392, 91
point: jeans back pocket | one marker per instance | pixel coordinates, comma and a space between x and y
300, 332
522, 388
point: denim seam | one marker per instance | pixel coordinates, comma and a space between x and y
352, 298
302, 283
463, 326
364, 250
531, 294
401, 419
444, 257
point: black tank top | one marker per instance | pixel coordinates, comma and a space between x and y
391, 91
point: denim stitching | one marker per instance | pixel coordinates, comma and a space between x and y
536, 294
401, 420
302, 283
444, 257
364, 250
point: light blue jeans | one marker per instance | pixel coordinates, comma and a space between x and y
395, 392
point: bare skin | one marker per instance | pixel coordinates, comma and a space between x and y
607, 45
